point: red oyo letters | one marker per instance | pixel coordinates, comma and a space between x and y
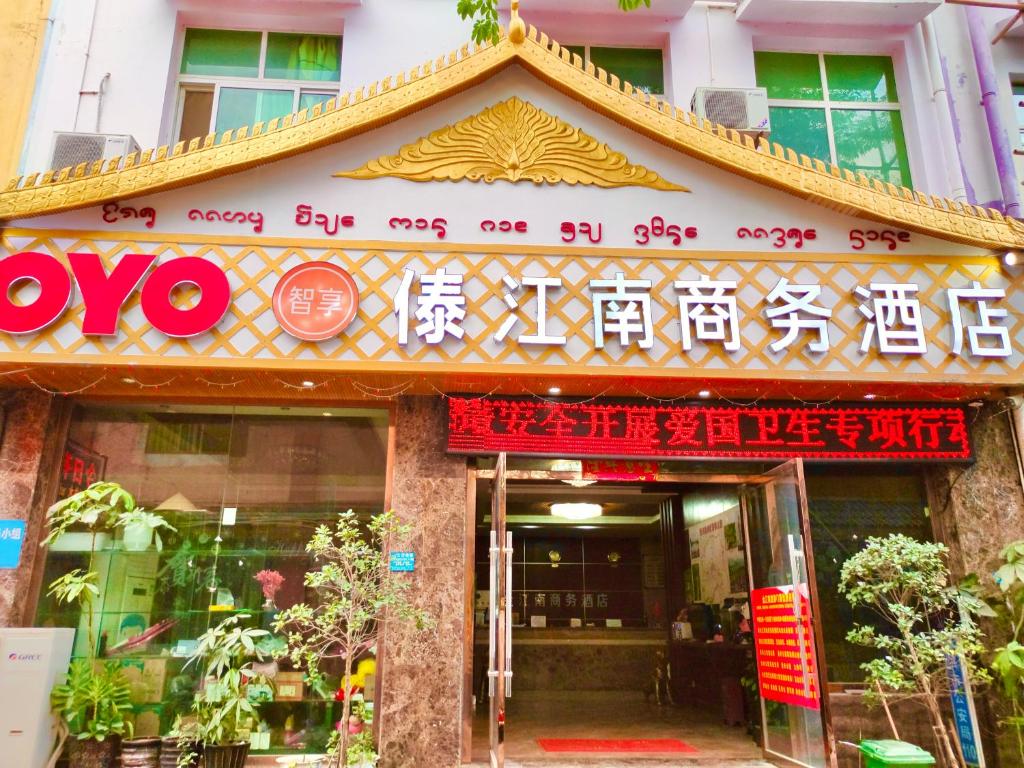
187, 270
54, 291
103, 294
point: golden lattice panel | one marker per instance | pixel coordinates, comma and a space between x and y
250, 336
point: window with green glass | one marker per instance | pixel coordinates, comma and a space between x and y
644, 68
232, 78
842, 109
1018, 105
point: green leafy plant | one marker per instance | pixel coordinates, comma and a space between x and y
357, 594
151, 520
93, 700
98, 506
906, 583
226, 653
1004, 599
485, 16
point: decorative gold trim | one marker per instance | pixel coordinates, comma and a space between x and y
395, 97
512, 141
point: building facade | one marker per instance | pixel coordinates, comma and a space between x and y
343, 258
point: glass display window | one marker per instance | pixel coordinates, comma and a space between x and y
244, 489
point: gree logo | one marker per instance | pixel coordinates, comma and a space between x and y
24, 656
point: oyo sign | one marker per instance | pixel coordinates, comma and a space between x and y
103, 294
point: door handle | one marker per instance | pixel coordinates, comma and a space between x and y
797, 567
492, 620
508, 613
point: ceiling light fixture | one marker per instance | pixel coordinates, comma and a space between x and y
704, 393
571, 465
1011, 258
554, 390
128, 380
576, 510
308, 384
870, 396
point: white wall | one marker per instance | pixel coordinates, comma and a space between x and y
138, 43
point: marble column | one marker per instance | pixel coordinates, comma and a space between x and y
420, 715
977, 510
34, 429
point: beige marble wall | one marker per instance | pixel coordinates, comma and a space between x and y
978, 509
420, 716
34, 430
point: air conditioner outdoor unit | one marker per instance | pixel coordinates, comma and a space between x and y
70, 149
745, 109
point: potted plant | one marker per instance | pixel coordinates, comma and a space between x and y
222, 707
180, 748
356, 595
906, 583
92, 703
140, 529
93, 699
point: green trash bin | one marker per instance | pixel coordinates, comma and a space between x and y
889, 753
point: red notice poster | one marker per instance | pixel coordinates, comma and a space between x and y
786, 668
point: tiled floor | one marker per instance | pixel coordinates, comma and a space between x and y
600, 715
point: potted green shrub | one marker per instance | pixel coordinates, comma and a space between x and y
140, 528
906, 583
92, 703
94, 698
222, 708
357, 594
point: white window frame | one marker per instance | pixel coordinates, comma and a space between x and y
586, 57
215, 83
1018, 102
826, 102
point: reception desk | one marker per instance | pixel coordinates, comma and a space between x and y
580, 659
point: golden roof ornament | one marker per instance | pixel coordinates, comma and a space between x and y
516, 27
513, 141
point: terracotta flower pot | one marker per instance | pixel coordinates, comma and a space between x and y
169, 751
140, 753
88, 753
225, 756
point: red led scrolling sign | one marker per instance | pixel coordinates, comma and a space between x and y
484, 425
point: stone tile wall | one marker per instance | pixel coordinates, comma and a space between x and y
35, 427
420, 712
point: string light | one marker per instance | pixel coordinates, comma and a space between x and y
209, 383
39, 386
306, 384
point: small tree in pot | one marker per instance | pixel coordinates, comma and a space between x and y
907, 584
94, 698
222, 708
356, 595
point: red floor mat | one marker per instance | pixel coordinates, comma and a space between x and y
615, 745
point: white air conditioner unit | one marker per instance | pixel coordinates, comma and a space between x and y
71, 149
745, 109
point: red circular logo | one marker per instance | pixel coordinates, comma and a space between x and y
316, 300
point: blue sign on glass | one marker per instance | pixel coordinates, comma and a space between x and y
12, 534
403, 562
963, 712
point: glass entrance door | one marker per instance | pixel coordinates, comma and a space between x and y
499, 639
784, 604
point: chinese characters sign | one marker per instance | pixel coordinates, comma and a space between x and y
79, 469
537, 427
784, 643
919, 321
12, 535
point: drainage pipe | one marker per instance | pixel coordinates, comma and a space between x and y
989, 83
950, 150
